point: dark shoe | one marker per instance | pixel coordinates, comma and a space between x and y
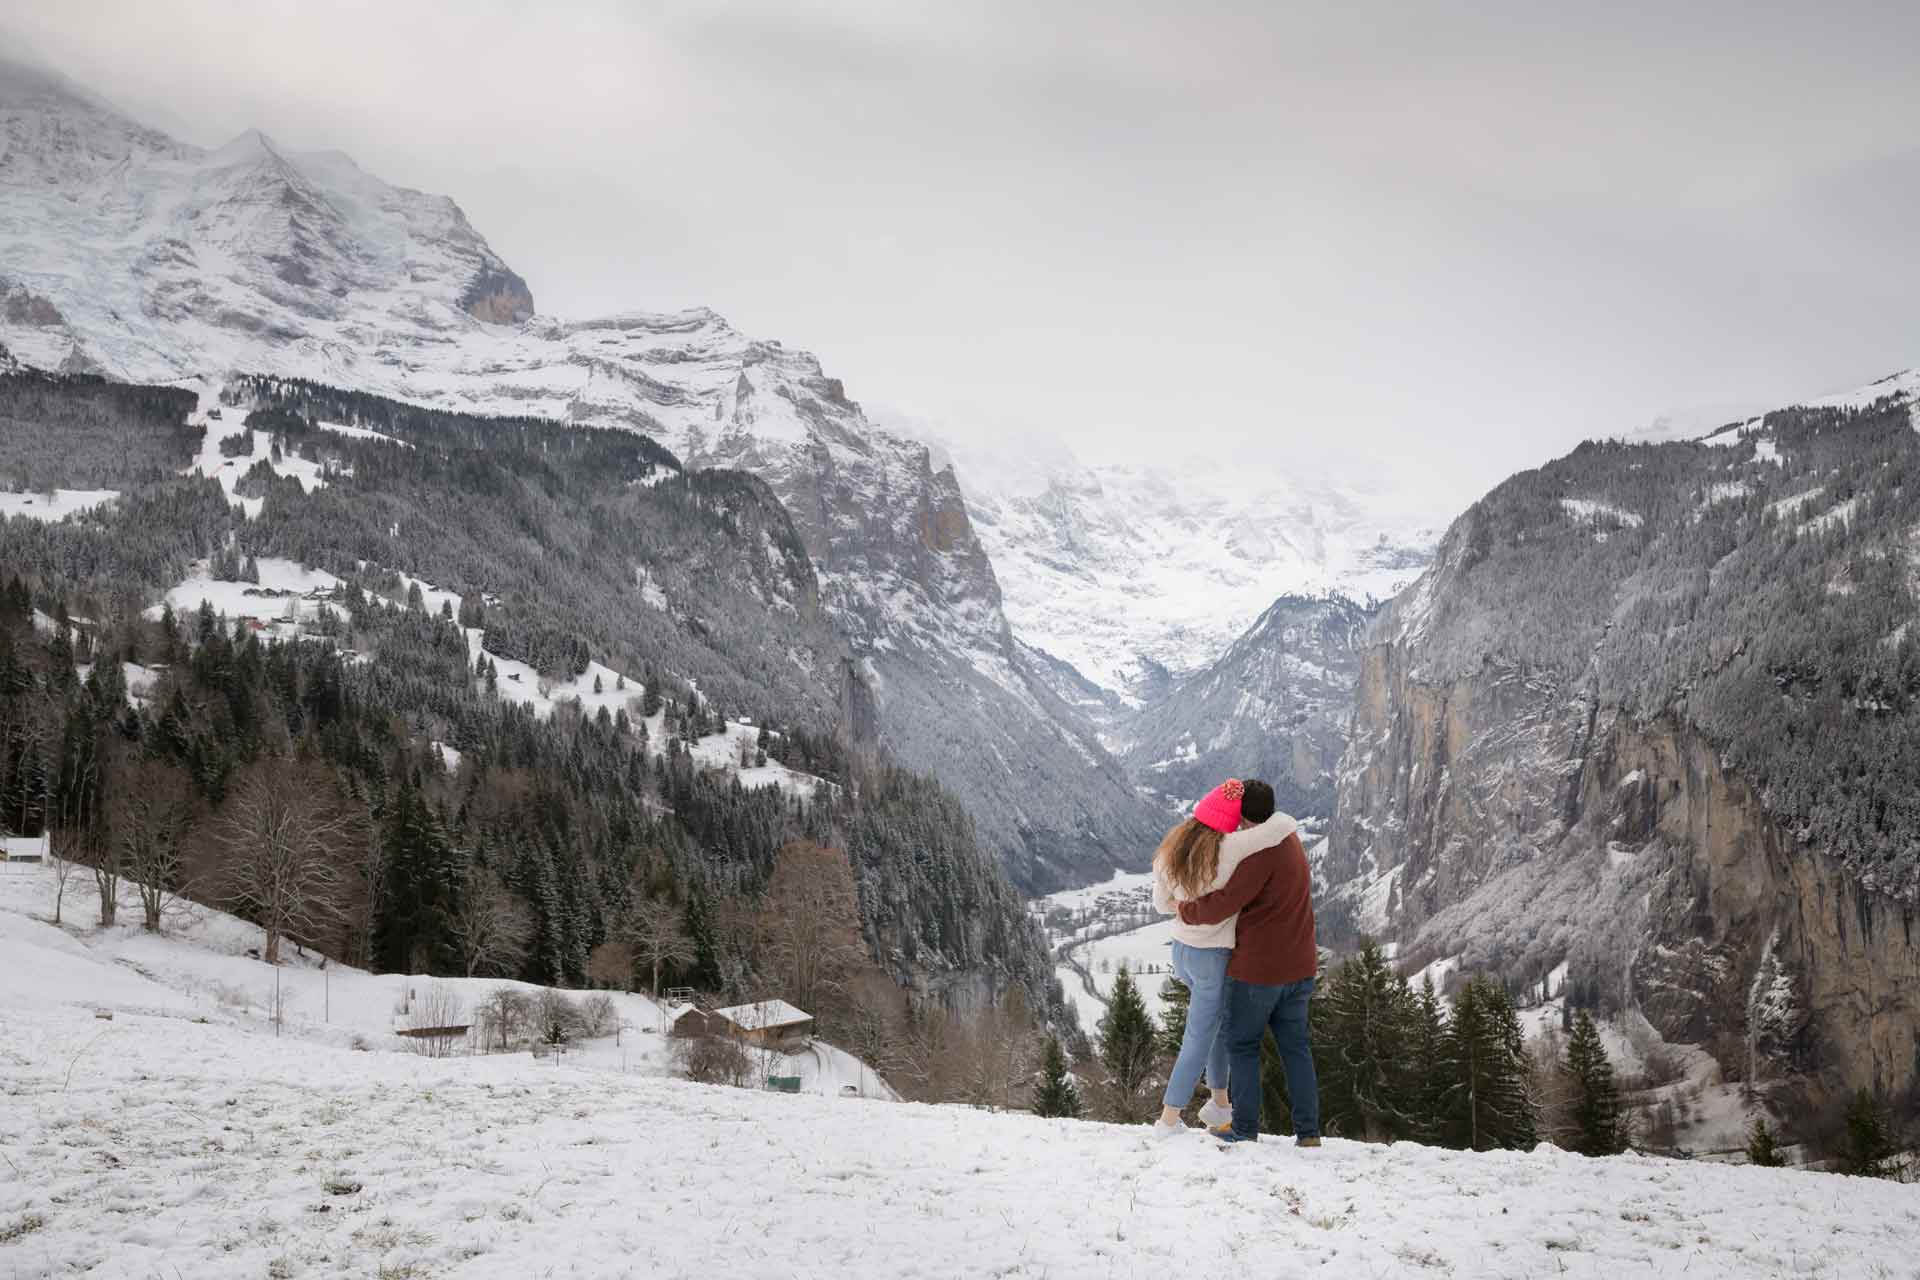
1226, 1134
1306, 1142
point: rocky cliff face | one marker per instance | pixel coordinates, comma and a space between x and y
1644, 717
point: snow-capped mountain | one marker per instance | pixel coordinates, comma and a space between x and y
129, 253
1133, 574
124, 250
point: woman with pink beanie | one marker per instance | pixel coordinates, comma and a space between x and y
1231, 823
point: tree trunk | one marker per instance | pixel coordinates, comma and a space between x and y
109, 887
272, 952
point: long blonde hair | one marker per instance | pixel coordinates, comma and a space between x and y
1189, 855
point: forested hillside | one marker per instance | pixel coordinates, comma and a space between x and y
441, 826
1655, 714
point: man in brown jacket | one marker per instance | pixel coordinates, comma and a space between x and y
1269, 981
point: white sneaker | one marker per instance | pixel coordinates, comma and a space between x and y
1166, 1130
1213, 1114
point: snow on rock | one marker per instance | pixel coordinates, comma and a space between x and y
57, 505
163, 1144
1588, 511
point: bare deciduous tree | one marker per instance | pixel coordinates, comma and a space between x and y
714, 1060
809, 930
503, 1014
440, 1007
555, 1019
150, 815
282, 837
65, 872
598, 1014
492, 927
611, 963
658, 937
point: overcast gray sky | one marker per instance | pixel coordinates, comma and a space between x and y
1456, 239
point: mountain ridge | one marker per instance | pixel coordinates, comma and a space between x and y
132, 255
1651, 715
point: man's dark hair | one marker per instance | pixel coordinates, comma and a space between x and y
1256, 802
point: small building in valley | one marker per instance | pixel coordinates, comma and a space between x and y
770, 1024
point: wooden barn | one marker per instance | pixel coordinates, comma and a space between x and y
691, 1022
769, 1024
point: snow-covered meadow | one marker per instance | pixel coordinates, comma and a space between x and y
181, 1138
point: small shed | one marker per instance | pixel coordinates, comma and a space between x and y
23, 848
770, 1024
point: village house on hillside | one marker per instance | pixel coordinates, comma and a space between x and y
690, 1022
23, 848
770, 1024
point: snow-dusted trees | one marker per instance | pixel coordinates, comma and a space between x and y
284, 836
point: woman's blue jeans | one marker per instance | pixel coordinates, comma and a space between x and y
1203, 971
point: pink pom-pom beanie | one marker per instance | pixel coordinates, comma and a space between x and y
1220, 807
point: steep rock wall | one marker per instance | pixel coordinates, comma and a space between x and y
1507, 818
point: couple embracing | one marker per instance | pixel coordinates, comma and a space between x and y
1235, 874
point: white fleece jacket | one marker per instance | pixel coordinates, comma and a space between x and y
1236, 848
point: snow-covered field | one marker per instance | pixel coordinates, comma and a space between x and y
58, 505
182, 1139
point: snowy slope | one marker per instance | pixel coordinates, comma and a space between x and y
161, 1144
204, 967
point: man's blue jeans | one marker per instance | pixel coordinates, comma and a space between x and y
1203, 970
1251, 1011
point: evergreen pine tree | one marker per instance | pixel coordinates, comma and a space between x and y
1762, 1150
1362, 1051
1869, 1151
1488, 1101
1426, 1063
1056, 1096
1597, 1120
1175, 999
1128, 1049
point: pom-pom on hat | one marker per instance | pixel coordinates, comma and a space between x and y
1220, 807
